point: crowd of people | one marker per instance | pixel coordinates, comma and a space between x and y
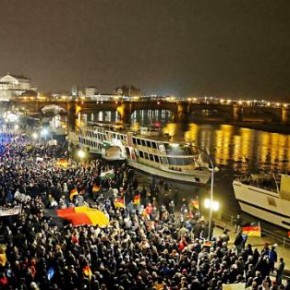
146, 245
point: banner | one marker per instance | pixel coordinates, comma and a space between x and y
52, 142
236, 286
10, 211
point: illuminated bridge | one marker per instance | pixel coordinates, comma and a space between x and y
181, 110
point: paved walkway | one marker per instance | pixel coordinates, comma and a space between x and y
257, 242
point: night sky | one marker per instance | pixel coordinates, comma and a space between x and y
225, 48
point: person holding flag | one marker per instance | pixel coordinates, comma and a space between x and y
74, 192
252, 230
137, 199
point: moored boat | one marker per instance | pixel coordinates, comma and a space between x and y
265, 197
176, 161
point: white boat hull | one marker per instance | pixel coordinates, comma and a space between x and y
196, 176
263, 204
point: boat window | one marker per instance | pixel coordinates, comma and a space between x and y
180, 161
164, 160
127, 151
148, 144
179, 149
156, 158
154, 145
134, 141
141, 154
151, 157
146, 155
143, 142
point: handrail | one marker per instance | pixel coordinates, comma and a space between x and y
228, 220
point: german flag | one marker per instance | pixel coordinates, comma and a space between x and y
87, 272
207, 244
3, 257
73, 193
119, 202
195, 203
83, 215
137, 199
62, 162
96, 188
253, 230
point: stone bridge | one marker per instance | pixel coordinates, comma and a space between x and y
182, 111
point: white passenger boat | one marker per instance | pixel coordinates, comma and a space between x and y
265, 197
150, 131
176, 161
97, 142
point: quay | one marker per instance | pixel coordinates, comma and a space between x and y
283, 250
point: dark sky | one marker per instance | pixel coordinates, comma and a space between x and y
177, 47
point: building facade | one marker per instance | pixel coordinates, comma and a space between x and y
13, 86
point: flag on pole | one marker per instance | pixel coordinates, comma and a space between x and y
137, 199
87, 272
252, 230
107, 174
195, 203
289, 235
96, 188
73, 193
62, 162
3, 257
119, 202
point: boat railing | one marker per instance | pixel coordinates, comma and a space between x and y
262, 183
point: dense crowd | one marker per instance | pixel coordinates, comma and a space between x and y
145, 246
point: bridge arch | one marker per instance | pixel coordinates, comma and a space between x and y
52, 109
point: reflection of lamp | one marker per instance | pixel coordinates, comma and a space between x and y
34, 136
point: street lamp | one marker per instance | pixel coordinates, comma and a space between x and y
81, 154
210, 203
44, 133
34, 136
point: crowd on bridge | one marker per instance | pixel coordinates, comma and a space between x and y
145, 246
